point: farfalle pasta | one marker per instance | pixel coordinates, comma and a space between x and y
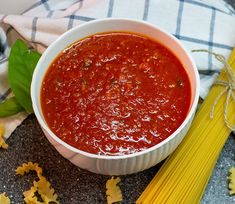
4, 199
231, 179
30, 197
3, 144
41, 188
113, 191
45, 190
26, 167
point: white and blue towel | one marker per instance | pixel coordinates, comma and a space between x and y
197, 24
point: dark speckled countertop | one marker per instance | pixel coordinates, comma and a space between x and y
72, 184
77, 186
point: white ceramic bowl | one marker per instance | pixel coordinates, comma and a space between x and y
115, 165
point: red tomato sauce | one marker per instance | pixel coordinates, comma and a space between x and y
115, 94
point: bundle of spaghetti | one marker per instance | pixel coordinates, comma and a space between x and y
185, 174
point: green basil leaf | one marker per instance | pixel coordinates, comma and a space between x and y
10, 107
22, 63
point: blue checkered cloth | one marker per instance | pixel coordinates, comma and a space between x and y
196, 23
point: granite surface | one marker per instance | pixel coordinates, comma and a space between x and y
73, 185
77, 186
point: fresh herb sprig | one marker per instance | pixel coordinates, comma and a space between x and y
22, 62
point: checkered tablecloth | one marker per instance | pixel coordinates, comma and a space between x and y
197, 24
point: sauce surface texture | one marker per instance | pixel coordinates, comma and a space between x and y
115, 94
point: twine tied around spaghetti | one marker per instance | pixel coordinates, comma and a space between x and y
228, 88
